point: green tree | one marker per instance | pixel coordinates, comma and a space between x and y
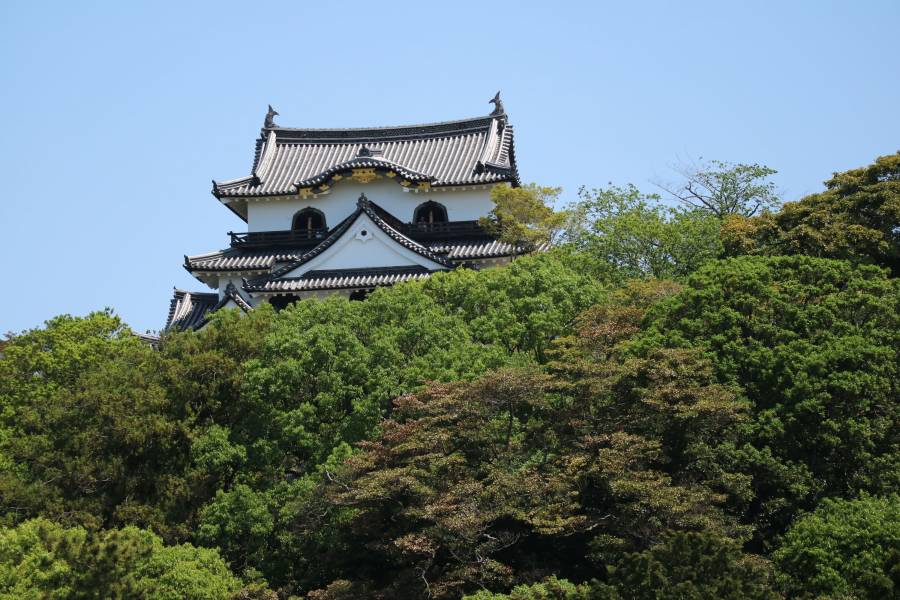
524, 216
40, 559
549, 589
653, 430
522, 307
813, 344
722, 188
240, 523
631, 234
695, 566
844, 549
86, 430
856, 218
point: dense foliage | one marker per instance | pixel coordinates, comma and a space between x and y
40, 559
634, 415
854, 219
631, 234
844, 548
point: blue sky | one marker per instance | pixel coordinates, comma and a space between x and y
116, 115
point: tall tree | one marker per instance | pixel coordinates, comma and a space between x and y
856, 218
631, 234
813, 345
722, 188
524, 216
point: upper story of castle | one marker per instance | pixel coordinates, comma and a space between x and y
453, 164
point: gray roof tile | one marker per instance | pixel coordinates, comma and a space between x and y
339, 279
187, 310
466, 152
237, 260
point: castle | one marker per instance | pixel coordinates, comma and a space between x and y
347, 210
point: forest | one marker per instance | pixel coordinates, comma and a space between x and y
691, 395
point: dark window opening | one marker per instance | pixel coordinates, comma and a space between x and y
430, 212
308, 219
282, 302
359, 294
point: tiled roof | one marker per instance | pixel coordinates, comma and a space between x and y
187, 310
237, 260
362, 163
465, 152
339, 279
473, 249
234, 259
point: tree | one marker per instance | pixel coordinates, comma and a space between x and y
653, 430
455, 479
631, 234
521, 307
685, 566
517, 475
813, 345
40, 559
240, 523
551, 588
524, 216
722, 189
693, 565
845, 548
87, 433
857, 218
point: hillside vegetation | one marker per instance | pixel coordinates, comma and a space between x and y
673, 403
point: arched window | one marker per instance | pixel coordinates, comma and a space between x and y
430, 212
308, 219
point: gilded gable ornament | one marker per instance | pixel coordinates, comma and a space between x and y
364, 175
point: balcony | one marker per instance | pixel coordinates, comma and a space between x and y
295, 239
446, 230
307, 238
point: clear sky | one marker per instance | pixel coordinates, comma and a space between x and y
116, 115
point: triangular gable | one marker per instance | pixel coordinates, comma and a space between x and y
366, 245
362, 240
232, 299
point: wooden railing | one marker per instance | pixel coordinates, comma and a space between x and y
443, 230
310, 237
301, 237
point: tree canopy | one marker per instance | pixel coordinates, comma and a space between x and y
673, 402
856, 218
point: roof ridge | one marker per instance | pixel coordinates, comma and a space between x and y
390, 127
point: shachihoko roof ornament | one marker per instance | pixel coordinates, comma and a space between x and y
498, 104
269, 123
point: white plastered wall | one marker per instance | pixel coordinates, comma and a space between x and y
364, 246
277, 214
